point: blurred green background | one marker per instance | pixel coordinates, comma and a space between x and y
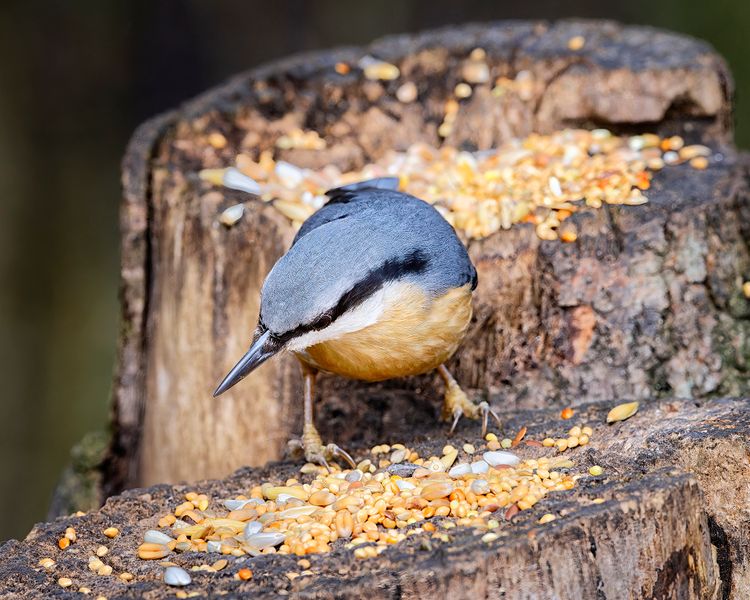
75, 79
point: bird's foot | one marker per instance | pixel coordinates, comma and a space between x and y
457, 405
316, 452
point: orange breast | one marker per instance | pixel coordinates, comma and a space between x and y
414, 334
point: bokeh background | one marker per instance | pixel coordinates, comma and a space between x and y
76, 77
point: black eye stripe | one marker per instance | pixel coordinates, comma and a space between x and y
390, 270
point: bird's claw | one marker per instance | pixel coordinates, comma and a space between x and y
315, 452
457, 405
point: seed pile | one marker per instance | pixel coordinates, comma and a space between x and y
541, 179
577, 436
391, 495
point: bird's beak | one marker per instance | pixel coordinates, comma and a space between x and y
263, 348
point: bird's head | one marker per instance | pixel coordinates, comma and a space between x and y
302, 306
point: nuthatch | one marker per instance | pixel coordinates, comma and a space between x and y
376, 285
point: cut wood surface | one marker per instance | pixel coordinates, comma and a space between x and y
647, 302
672, 523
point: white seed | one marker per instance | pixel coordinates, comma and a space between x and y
176, 576
252, 528
236, 180
284, 498
289, 175
460, 470
497, 457
232, 214
214, 546
407, 92
554, 186
404, 485
480, 486
265, 540
398, 456
297, 511
354, 475
375, 69
240, 504
479, 467
152, 536
476, 72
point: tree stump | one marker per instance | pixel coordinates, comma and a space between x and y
667, 519
647, 303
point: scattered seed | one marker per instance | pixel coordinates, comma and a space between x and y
596, 470
177, 576
156, 537
47, 563
125, 576
407, 92
252, 528
476, 71
231, 215
217, 140
111, 532
435, 491
512, 511
469, 448
690, 152
462, 90
479, 467
322, 498
101, 551
377, 69
220, 564
265, 540
622, 412
746, 289
489, 537
567, 413
576, 42
547, 518
610, 169
506, 443
519, 436
500, 458
240, 504
245, 574
480, 487
65, 582
152, 551
398, 455
699, 162
63, 543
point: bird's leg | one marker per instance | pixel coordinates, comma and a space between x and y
457, 404
310, 443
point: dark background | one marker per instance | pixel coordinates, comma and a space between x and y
75, 79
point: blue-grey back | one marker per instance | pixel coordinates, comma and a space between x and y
353, 235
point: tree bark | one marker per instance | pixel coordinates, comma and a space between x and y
672, 523
647, 303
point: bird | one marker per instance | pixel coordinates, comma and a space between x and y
376, 285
